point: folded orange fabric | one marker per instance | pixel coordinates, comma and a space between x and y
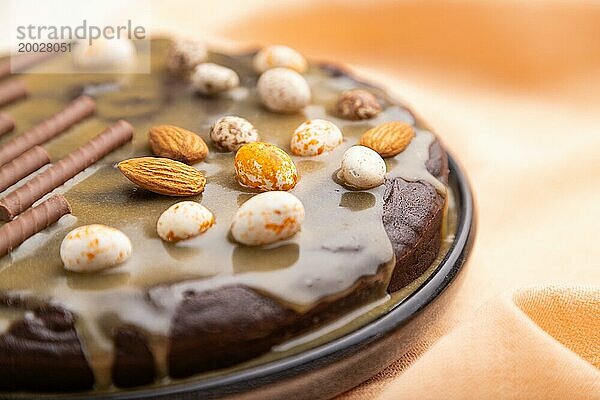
511, 96
537, 343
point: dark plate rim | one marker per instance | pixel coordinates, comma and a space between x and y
336, 349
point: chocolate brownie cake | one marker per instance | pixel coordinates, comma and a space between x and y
168, 306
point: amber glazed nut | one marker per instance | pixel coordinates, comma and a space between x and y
265, 167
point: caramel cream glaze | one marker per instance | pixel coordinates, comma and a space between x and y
342, 238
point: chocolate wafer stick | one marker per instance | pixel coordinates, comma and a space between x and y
19, 63
75, 162
32, 160
31, 222
76, 111
7, 124
11, 91
5, 68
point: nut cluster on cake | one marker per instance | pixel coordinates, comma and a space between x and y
257, 191
270, 216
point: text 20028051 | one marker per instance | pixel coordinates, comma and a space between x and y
44, 47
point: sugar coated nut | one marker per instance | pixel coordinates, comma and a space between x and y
315, 137
209, 78
264, 166
184, 220
104, 53
357, 104
267, 218
230, 133
362, 168
184, 55
93, 248
283, 90
279, 56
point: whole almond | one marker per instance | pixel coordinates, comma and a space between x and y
163, 176
177, 144
388, 139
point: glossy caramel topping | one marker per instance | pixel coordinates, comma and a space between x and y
342, 238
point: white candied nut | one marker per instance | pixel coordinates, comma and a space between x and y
92, 248
104, 53
267, 218
185, 54
283, 90
279, 56
184, 220
209, 78
229, 133
362, 168
315, 137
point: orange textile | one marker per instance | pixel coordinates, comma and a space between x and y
513, 89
